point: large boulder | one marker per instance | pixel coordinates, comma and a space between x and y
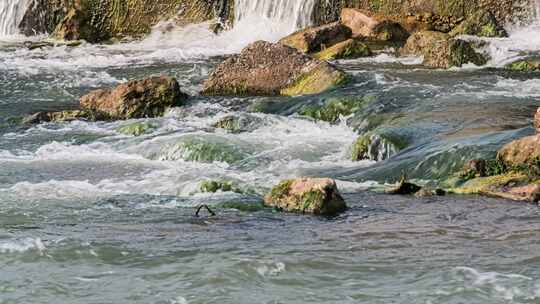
367, 24
347, 49
307, 195
521, 152
136, 99
482, 23
441, 51
265, 68
77, 25
314, 39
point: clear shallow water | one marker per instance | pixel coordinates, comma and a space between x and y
89, 215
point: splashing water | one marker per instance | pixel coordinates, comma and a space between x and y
11, 14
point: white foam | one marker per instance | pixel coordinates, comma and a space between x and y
11, 14
22, 245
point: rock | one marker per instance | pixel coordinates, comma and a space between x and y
239, 123
213, 186
335, 108
482, 23
537, 121
404, 188
349, 49
136, 129
377, 147
307, 195
265, 68
514, 186
136, 99
525, 65
521, 152
314, 39
64, 116
427, 192
76, 25
441, 51
366, 24
204, 150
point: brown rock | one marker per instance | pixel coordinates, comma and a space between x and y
307, 195
537, 121
521, 152
265, 68
314, 39
136, 99
441, 51
366, 24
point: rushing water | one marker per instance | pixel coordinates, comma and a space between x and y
11, 13
88, 215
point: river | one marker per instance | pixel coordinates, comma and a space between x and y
90, 215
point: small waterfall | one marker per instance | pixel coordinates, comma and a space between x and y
11, 14
286, 14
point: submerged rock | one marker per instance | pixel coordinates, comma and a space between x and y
377, 147
213, 186
367, 24
136, 128
64, 116
349, 49
335, 108
405, 188
203, 150
265, 68
521, 152
307, 195
482, 23
239, 123
314, 39
136, 99
441, 51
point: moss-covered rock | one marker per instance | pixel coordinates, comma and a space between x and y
265, 68
64, 116
512, 185
537, 121
307, 195
94, 20
204, 150
213, 186
441, 51
377, 147
481, 23
335, 108
239, 123
149, 97
525, 65
348, 49
404, 187
311, 39
136, 128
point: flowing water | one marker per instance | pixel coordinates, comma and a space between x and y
89, 215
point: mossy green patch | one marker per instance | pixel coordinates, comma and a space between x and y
336, 108
136, 129
347, 49
318, 80
204, 151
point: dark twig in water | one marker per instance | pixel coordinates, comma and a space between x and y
212, 213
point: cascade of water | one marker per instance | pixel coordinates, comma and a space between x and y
289, 14
11, 14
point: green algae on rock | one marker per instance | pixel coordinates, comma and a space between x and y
525, 65
441, 51
206, 149
348, 49
213, 186
335, 108
264, 68
481, 23
64, 116
136, 128
375, 146
318, 196
239, 123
